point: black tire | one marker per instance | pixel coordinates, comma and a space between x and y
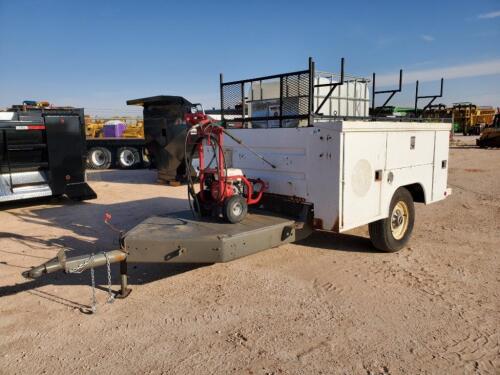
98, 158
146, 161
235, 209
392, 233
127, 158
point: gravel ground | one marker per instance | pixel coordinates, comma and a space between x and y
328, 305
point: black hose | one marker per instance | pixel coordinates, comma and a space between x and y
188, 161
189, 168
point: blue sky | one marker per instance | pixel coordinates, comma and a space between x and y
98, 54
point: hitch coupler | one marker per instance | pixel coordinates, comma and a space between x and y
76, 264
84, 262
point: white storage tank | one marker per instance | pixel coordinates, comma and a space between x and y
352, 99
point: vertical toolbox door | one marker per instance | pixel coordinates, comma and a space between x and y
440, 178
364, 162
66, 149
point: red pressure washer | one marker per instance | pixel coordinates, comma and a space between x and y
222, 190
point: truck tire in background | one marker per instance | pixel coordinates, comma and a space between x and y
127, 157
392, 233
98, 158
146, 159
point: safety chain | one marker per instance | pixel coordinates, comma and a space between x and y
92, 278
111, 296
81, 267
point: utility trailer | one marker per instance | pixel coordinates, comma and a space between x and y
42, 154
324, 172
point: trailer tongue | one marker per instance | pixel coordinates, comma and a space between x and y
178, 238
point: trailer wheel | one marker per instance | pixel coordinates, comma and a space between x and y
98, 158
392, 233
235, 209
127, 157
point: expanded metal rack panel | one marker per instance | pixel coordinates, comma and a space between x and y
303, 98
292, 99
282, 100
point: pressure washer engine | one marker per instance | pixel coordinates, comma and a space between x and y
223, 191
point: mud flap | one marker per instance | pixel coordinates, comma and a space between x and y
80, 192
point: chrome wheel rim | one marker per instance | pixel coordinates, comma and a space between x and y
127, 158
98, 158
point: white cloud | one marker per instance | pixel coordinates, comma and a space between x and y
477, 69
489, 15
427, 38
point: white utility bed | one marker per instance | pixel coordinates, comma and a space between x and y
349, 170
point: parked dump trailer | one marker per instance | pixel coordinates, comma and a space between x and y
42, 153
115, 144
122, 153
323, 172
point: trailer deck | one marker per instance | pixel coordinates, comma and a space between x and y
179, 238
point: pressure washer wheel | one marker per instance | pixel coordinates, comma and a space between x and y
235, 209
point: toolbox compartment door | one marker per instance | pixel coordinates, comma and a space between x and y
66, 151
440, 177
22, 150
363, 166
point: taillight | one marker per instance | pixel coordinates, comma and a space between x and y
30, 127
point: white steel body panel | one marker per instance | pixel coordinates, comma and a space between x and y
349, 170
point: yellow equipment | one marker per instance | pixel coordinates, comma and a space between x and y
490, 136
471, 119
94, 127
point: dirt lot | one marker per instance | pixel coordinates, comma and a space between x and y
329, 305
